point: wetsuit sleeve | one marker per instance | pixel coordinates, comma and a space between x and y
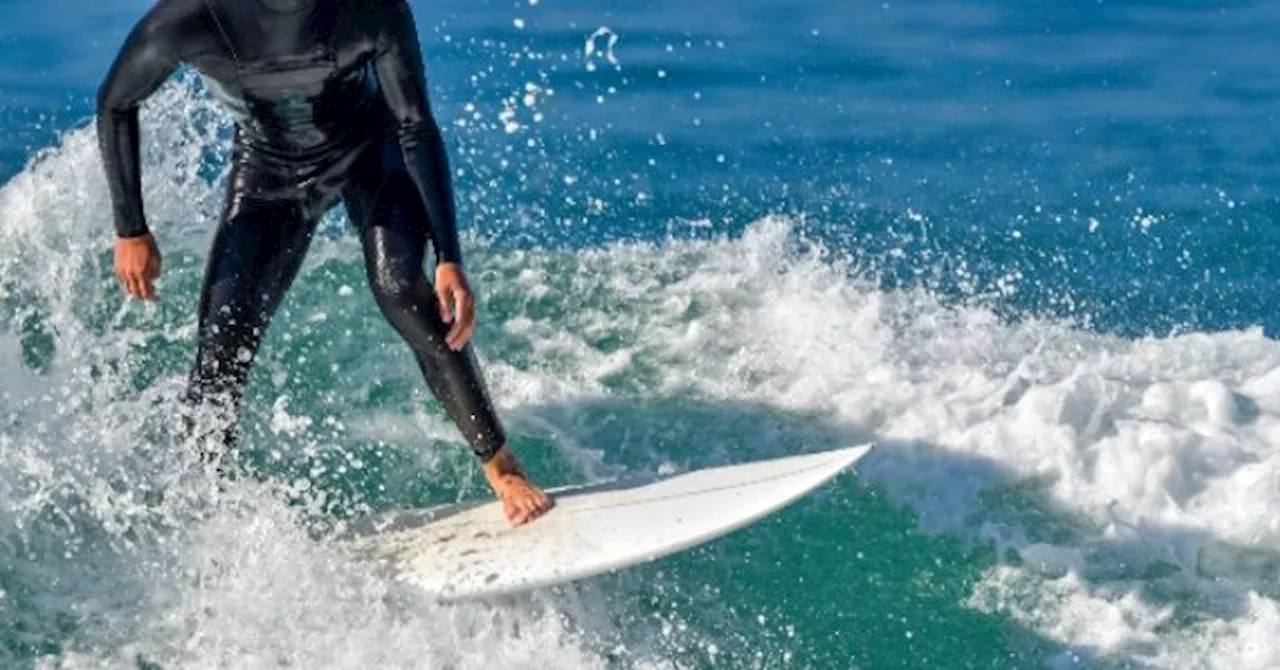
149, 55
403, 81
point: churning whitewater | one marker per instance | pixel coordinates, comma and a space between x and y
1115, 497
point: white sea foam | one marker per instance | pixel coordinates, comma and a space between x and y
179, 583
1136, 452
1148, 452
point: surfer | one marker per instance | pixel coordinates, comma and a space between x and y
331, 105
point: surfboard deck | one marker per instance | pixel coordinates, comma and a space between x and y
469, 551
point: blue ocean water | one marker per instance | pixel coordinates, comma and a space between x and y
1023, 246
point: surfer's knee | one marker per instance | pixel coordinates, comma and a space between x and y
393, 291
227, 345
405, 301
218, 379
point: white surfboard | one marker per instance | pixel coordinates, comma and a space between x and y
467, 551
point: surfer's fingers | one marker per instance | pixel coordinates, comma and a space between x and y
459, 335
139, 286
131, 285
442, 297
451, 338
465, 322
148, 289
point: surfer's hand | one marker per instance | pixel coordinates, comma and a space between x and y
138, 265
521, 501
456, 304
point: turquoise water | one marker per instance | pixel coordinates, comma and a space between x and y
1024, 247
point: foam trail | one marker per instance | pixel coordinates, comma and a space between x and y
1095, 459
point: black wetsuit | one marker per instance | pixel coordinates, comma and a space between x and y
330, 104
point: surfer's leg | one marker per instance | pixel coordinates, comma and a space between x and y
257, 250
387, 212
390, 224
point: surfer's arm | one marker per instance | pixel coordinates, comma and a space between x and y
150, 54
403, 81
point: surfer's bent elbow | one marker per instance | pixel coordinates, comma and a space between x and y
150, 54
402, 78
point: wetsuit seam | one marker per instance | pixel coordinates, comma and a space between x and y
226, 37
